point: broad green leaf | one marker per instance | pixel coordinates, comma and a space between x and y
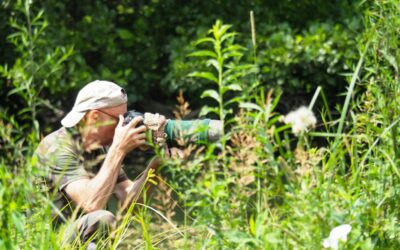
232, 54
212, 94
204, 53
223, 30
232, 87
206, 110
245, 67
205, 40
215, 29
204, 75
228, 35
214, 63
233, 100
249, 105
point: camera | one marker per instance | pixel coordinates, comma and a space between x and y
130, 115
199, 130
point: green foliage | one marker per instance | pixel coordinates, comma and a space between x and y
25, 211
37, 66
143, 46
262, 187
302, 60
226, 72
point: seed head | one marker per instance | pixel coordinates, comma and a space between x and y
300, 119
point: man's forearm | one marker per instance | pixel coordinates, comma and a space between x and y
102, 185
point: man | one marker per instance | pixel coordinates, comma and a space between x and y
81, 174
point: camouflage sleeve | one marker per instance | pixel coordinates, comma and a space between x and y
68, 168
61, 164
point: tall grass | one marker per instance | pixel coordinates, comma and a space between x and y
261, 187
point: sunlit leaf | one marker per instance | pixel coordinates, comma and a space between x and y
212, 94
204, 75
206, 110
214, 63
232, 54
223, 30
249, 105
203, 53
233, 100
232, 87
205, 40
228, 35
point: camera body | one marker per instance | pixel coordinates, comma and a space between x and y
199, 130
130, 115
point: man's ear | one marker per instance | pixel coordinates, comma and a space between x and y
92, 116
84, 121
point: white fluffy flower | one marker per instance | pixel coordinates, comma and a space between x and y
300, 119
338, 233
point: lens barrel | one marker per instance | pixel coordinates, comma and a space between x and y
188, 130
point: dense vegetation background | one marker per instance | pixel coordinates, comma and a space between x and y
144, 45
261, 186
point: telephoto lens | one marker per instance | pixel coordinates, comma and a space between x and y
199, 130
204, 130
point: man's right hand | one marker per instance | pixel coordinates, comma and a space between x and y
127, 138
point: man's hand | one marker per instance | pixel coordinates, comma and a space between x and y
128, 137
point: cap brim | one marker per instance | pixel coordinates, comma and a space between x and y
72, 118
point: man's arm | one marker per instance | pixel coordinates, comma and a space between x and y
92, 194
130, 191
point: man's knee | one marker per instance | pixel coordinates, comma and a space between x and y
105, 218
101, 221
98, 218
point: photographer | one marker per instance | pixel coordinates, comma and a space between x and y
80, 173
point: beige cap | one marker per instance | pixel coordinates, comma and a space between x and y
95, 95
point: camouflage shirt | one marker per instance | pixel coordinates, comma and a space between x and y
63, 160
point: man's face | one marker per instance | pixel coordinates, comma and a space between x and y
102, 123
